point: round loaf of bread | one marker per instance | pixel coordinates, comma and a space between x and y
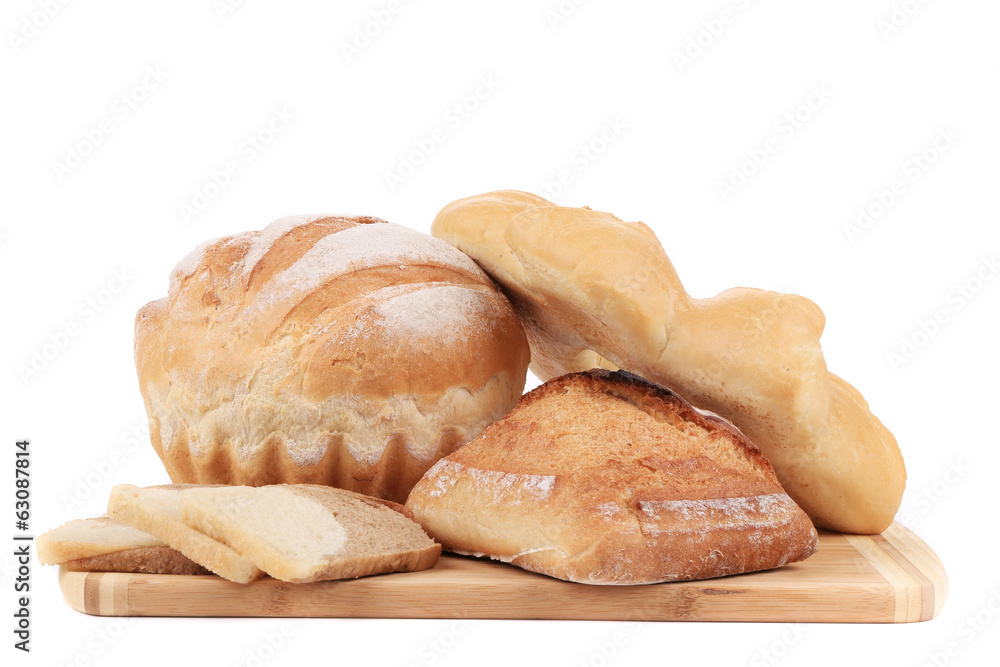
345, 351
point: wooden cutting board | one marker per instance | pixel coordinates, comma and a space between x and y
888, 578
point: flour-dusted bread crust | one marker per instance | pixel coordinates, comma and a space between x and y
305, 533
594, 291
157, 510
603, 478
106, 545
345, 351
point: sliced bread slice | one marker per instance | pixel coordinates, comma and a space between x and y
602, 477
157, 511
106, 545
302, 533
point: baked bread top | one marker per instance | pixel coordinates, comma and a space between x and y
339, 350
601, 477
595, 291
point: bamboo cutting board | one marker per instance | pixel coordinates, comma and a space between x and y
888, 578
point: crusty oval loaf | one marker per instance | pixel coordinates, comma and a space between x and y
106, 545
594, 291
345, 351
603, 478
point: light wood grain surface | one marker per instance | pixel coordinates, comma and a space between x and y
888, 578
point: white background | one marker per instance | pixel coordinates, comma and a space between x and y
678, 129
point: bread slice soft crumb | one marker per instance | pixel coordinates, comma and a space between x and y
106, 545
157, 511
304, 533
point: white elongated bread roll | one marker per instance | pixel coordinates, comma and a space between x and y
345, 351
593, 290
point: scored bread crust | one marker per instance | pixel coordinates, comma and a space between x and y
126, 504
405, 546
601, 477
595, 291
334, 350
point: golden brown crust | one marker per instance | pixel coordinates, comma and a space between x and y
150, 560
593, 290
601, 477
370, 500
330, 350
